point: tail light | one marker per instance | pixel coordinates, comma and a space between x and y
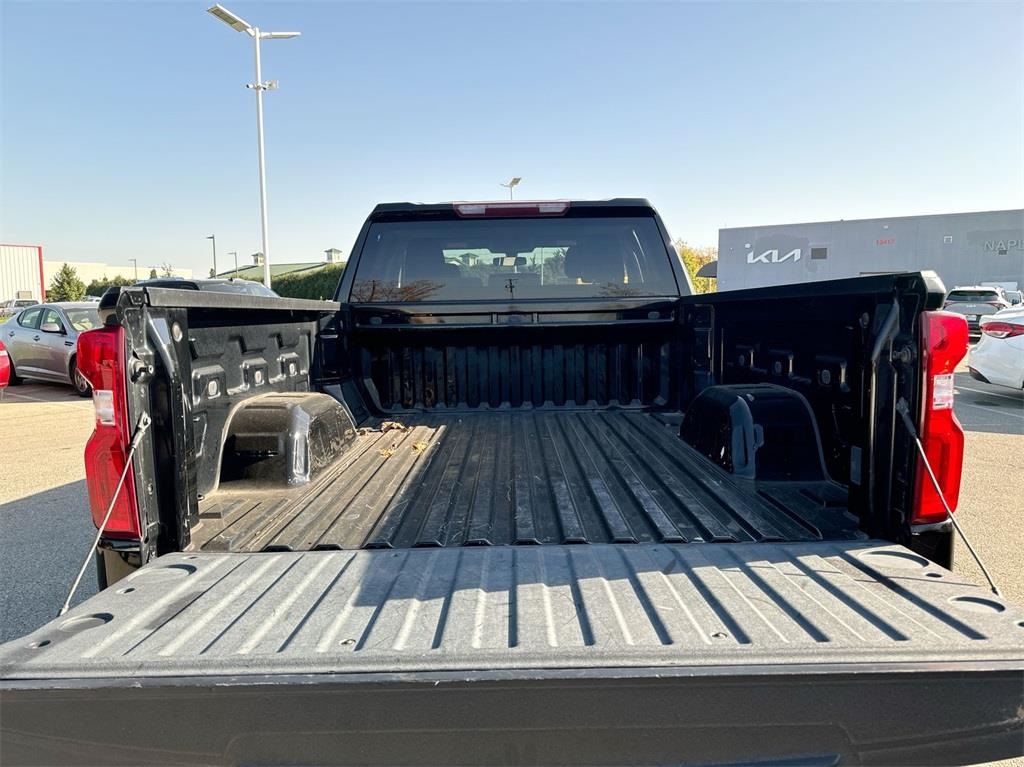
1002, 329
943, 344
101, 359
510, 209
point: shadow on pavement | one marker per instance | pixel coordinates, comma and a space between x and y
39, 391
44, 539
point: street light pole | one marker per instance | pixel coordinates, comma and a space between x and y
512, 185
240, 25
235, 254
135, 261
262, 159
213, 239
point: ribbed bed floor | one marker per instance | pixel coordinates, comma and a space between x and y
607, 476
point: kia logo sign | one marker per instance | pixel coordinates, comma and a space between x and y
772, 256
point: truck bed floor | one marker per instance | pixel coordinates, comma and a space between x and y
606, 476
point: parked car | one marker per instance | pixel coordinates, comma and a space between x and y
42, 342
5, 366
998, 357
14, 305
247, 287
235, 286
976, 302
517, 497
1015, 297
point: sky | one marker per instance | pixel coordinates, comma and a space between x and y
126, 130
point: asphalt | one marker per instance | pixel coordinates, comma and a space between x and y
45, 527
46, 530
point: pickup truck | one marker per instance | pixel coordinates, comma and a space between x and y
519, 497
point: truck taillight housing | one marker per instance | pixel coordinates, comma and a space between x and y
943, 344
511, 209
101, 359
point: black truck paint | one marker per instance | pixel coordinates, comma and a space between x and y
654, 529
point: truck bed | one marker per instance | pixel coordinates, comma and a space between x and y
860, 652
520, 477
601, 606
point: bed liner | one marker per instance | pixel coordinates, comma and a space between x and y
533, 607
521, 477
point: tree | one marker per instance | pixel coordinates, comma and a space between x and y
152, 274
65, 285
693, 258
99, 287
168, 270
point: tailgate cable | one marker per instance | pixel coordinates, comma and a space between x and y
140, 429
903, 409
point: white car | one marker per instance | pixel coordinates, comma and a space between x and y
998, 358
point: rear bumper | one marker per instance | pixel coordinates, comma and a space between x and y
922, 715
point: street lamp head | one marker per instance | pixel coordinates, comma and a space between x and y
212, 237
235, 22
278, 35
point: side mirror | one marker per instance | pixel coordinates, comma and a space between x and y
51, 327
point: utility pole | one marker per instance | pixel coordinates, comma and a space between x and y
135, 261
213, 238
235, 254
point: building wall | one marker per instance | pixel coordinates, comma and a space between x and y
19, 272
964, 248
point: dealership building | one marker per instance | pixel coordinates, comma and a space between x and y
964, 248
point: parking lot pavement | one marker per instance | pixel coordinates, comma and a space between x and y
991, 508
45, 526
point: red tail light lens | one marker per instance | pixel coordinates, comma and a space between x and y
509, 209
1002, 329
943, 344
101, 359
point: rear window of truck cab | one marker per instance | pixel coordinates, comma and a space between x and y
512, 259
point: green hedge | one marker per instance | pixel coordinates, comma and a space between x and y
317, 284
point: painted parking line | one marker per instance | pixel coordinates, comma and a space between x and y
992, 394
991, 410
45, 401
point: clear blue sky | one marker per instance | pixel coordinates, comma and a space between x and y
126, 129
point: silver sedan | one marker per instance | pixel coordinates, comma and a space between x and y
43, 341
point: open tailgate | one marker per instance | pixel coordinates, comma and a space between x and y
591, 654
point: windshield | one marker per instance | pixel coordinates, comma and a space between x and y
83, 319
511, 259
972, 295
